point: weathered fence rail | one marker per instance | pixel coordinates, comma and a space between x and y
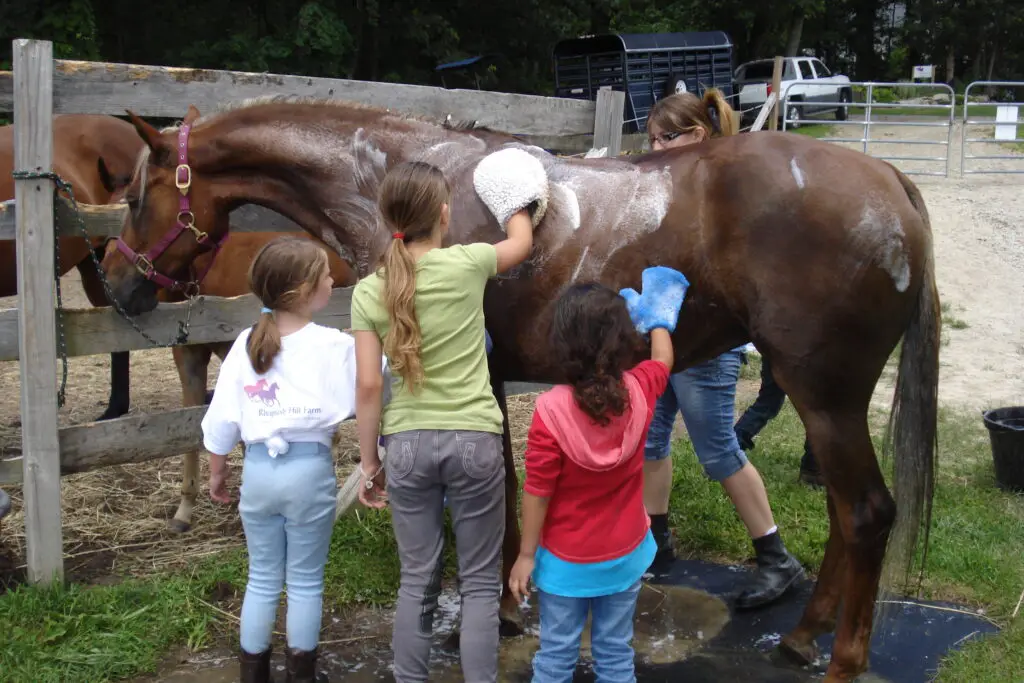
39, 87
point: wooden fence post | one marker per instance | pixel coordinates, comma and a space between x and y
33, 151
608, 120
773, 117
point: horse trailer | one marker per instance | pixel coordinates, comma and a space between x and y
646, 66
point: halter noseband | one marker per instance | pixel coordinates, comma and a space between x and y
186, 221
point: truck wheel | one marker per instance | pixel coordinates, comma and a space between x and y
793, 113
843, 112
674, 85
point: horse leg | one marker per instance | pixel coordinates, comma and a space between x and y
193, 363
120, 386
864, 513
820, 614
511, 620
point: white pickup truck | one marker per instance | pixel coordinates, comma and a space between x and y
809, 85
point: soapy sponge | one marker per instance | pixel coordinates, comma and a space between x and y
663, 292
509, 180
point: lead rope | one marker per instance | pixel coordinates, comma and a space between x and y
61, 185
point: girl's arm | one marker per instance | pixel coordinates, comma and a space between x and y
369, 392
514, 249
543, 465
535, 509
661, 346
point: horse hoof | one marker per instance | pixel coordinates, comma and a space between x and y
176, 526
801, 654
111, 413
510, 626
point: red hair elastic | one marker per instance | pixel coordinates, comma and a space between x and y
398, 235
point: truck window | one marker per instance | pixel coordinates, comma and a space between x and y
805, 70
756, 71
820, 69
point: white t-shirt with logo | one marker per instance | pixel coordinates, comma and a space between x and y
306, 394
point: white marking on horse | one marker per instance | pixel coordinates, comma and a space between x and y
564, 197
798, 174
880, 233
579, 266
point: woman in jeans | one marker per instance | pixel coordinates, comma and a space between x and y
706, 396
443, 427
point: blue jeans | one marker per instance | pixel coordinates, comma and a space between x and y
287, 509
706, 395
611, 636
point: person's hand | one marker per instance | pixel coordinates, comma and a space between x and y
519, 579
373, 491
219, 484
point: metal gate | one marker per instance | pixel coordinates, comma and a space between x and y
1005, 120
798, 99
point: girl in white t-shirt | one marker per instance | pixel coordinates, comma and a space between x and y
283, 389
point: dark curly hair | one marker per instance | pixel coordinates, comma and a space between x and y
596, 342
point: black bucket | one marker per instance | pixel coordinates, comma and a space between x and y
1006, 431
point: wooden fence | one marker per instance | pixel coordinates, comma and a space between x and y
40, 86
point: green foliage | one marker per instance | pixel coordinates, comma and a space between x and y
403, 40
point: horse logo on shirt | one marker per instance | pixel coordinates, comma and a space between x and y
263, 393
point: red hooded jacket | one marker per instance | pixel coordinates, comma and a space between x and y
593, 475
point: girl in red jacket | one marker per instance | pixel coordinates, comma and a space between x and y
586, 536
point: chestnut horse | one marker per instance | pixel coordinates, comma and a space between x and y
227, 276
78, 142
820, 255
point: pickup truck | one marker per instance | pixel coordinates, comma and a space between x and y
809, 85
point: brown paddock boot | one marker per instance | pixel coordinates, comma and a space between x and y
301, 666
254, 668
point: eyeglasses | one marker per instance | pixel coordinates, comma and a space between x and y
664, 138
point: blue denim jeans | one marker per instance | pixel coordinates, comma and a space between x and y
287, 509
611, 636
706, 396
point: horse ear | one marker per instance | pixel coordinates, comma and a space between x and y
149, 134
191, 115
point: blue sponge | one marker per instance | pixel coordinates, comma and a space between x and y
663, 292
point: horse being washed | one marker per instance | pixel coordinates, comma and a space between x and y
820, 255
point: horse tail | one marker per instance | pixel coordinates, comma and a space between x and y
911, 435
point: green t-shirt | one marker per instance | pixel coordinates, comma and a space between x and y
456, 389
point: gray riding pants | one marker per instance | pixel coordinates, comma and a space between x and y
424, 466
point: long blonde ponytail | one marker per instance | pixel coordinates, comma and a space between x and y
412, 195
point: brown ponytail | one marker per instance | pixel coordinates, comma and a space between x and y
724, 121
683, 112
412, 195
284, 273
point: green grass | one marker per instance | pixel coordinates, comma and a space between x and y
108, 633
814, 130
975, 554
975, 111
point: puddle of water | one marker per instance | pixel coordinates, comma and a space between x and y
672, 623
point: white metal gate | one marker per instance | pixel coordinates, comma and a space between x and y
794, 106
1005, 121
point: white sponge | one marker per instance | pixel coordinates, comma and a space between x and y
509, 180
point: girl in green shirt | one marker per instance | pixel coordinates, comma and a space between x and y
442, 428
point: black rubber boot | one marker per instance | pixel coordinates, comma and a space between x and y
254, 668
809, 472
666, 554
777, 571
301, 667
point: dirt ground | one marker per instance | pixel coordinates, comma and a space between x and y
115, 518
